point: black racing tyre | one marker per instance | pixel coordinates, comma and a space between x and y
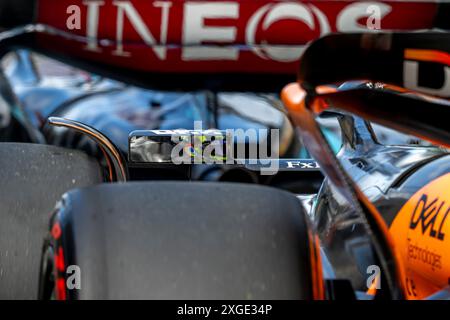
179, 240
33, 178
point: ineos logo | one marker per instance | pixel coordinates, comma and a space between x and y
269, 14
201, 28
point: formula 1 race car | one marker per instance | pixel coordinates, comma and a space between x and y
147, 152
390, 199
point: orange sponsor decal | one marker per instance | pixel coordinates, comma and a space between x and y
421, 231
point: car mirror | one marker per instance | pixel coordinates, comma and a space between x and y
179, 146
